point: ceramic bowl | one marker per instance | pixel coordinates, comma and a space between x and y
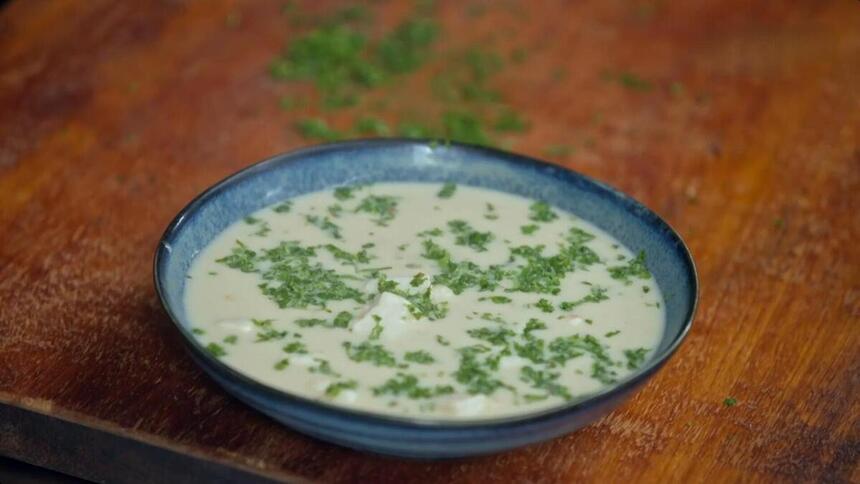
366, 161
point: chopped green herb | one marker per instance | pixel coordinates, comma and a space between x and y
412, 129
263, 230
282, 364
468, 236
532, 350
442, 340
635, 268
544, 380
421, 357
545, 306
596, 294
295, 347
418, 279
231, 339
511, 121
344, 193
635, 357
283, 207
529, 229
369, 125
494, 336
318, 129
533, 325
542, 274
435, 232
541, 212
630, 81
266, 331
291, 280
216, 350
241, 258
334, 389
464, 127
603, 373
334, 58
459, 276
730, 401
482, 64
565, 348
492, 317
384, 207
475, 374
376, 332
405, 384
612, 333
491, 212
310, 322
406, 48
198, 331
342, 319
369, 352
348, 258
324, 224
447, 190
323, 367
421, 304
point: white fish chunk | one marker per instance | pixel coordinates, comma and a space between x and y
469, 407
440, 293
393, 314
239, 325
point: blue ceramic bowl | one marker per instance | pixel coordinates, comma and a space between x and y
322, 167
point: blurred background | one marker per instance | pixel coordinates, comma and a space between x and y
736, 121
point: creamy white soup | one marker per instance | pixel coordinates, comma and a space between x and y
425, 300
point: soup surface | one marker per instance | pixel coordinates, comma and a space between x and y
425, 300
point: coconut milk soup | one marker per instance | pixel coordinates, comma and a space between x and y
425, 300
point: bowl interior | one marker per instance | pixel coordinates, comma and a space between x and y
327, 166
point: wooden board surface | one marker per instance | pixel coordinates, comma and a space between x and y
741, 128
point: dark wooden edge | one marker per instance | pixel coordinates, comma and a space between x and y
105, 455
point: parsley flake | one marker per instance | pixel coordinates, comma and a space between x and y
447, 190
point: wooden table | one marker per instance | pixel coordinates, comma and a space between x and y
742, 129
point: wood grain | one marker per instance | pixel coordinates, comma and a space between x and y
114, 114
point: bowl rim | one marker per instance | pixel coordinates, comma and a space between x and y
527, 419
